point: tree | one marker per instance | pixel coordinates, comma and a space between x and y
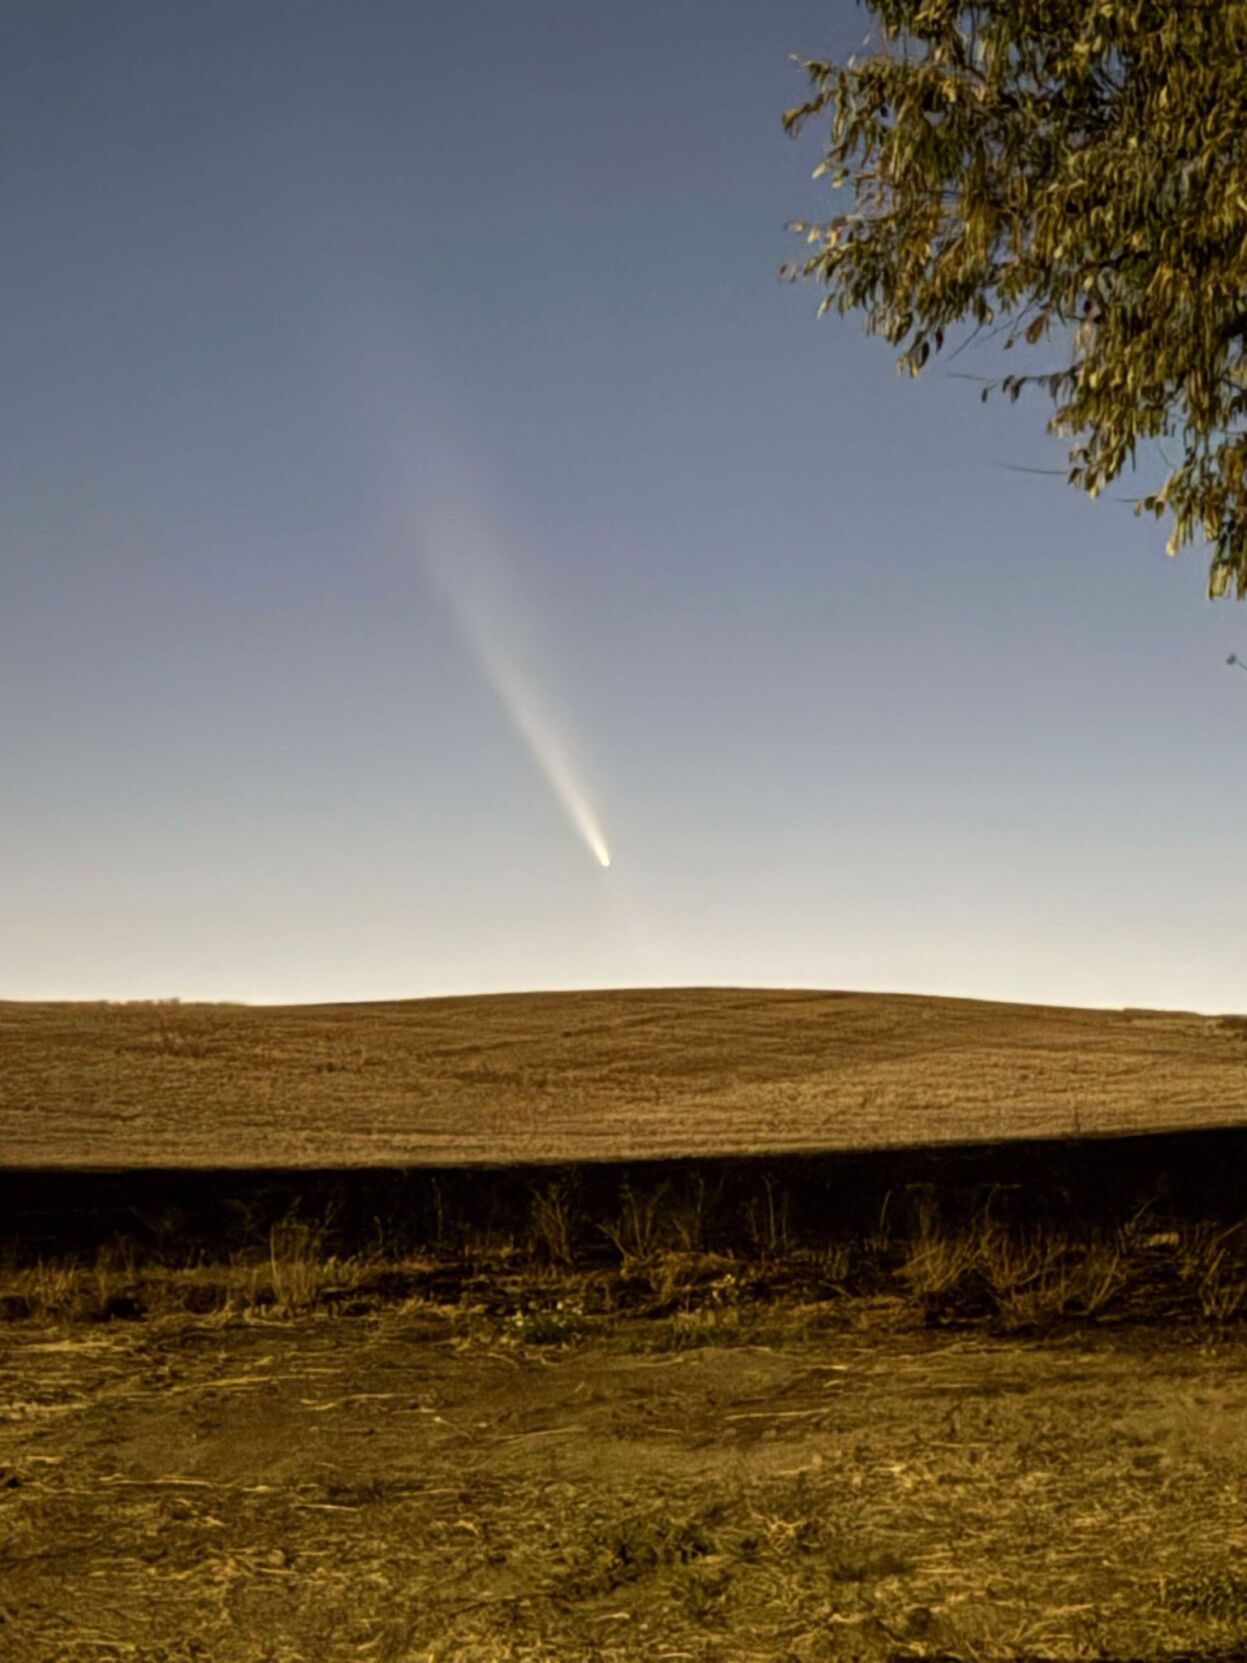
1075, 171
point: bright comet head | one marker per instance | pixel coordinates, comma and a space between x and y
515, 689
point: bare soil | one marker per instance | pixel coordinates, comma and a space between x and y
787, 1483
590, 1076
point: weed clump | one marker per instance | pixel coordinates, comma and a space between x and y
559, 1325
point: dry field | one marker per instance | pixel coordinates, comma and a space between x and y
970, 1442
786, 1485
581, 1076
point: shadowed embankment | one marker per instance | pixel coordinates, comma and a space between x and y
816, 1198
738, 1205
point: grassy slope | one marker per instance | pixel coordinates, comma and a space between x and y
576, 1076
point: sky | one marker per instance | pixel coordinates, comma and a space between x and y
409, 449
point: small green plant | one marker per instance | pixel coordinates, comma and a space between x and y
560, 1325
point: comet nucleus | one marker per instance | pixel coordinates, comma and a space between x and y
501, 668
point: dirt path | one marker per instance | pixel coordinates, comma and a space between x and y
394, 1488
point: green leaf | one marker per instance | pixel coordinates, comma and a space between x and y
1079, 166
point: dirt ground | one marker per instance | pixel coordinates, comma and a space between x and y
413, 1485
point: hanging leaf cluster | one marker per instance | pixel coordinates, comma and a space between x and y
1074, 171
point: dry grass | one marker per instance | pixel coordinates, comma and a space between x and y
1028, 1277
939, 1260
1036, 1279
1008, 1277
500, 1449
293, 1278
721, 1487
584, 1075
1213, 1260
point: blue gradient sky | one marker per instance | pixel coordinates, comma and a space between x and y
293, 292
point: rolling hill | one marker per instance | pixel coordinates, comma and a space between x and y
586, 1076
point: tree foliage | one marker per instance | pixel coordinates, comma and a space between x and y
1076, 171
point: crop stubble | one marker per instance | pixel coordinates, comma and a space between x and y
413, 1486
584, 1076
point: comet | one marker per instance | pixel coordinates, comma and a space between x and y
545, 744
465, 585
